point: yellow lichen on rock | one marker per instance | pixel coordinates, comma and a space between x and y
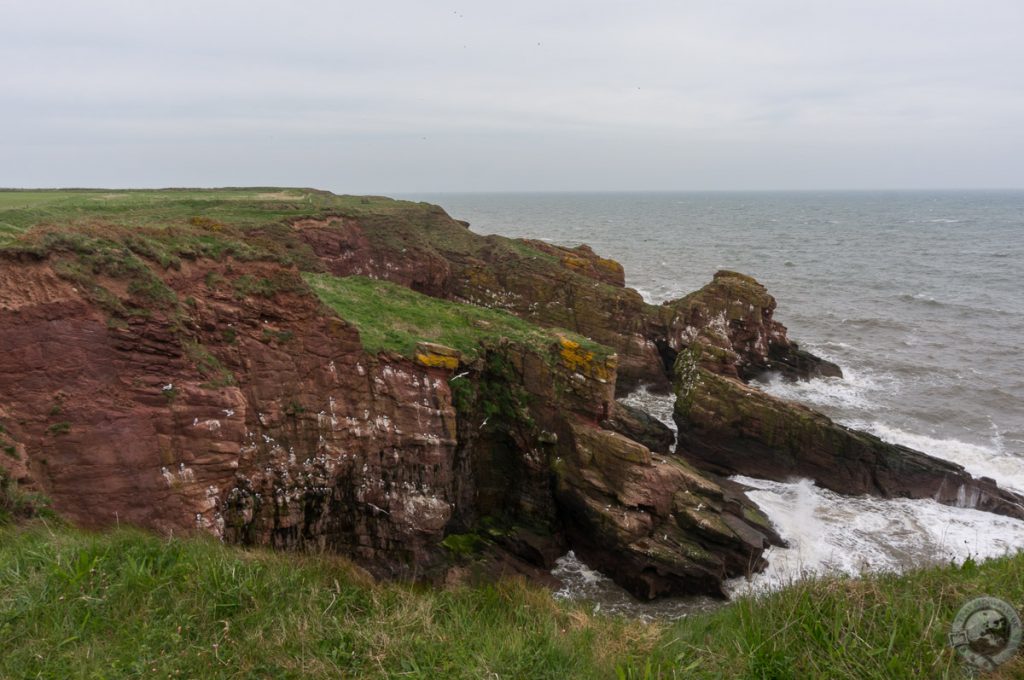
575, 262
433, 355
580, 360
574, 356
437, 361
610, 265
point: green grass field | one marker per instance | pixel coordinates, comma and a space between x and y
149, 210
129, 604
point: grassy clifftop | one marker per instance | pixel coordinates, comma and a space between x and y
126, 604
393, 318
237, 207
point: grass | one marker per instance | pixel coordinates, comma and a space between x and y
238, 207
19, 504
879, 626
169, 225
394, 318
129, 604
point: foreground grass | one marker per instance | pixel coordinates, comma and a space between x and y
128, 604
879, 626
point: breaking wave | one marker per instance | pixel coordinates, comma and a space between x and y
829, 533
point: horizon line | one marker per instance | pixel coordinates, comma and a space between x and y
516, 191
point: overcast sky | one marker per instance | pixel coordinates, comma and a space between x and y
427, 96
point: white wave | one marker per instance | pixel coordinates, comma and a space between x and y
661, 406
647, 295
855, 390
580, 582
829, 533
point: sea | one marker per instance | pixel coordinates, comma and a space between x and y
918, 296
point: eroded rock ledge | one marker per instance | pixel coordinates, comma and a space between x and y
369, 377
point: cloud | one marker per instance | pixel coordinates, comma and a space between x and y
611, 94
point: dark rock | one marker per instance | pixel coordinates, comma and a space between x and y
727, 427
653, 523
641, 427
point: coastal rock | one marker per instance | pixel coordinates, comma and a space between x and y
262, 420
640, 426
189, 378
651, 522
728, 428
732, 319
254, 413
583, 260
571, 288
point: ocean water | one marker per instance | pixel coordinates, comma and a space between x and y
919, 296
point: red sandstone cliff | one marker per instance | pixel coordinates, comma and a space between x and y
182, 375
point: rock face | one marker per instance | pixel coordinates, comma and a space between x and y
653, 523
551, 286
640, 426
182, 374
729, 428
249, 410
732, 320
268, 425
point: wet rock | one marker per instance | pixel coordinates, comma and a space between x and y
640, 426
727, 427
653, 523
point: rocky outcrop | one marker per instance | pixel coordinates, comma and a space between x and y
552, 286
583, 260
652, 522
259, 419
732, 320
727, 427
571, 288
243, 407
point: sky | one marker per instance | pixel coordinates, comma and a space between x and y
417, 97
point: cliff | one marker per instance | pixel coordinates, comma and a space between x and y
366, 376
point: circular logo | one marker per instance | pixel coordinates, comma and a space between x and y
986, 632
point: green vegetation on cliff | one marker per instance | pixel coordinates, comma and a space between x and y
127, 604
394, 318
169, 225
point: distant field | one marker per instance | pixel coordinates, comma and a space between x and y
22, 209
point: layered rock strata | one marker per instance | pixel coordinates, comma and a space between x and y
728, 428
185, 375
